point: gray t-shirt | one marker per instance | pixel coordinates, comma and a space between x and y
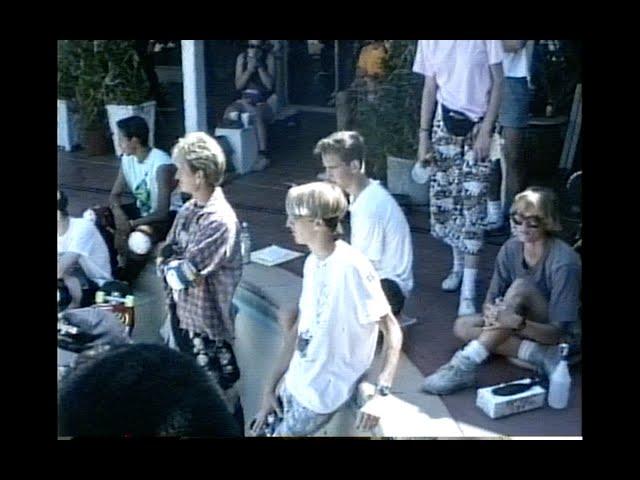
558, 277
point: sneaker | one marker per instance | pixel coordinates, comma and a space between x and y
466, 307
457, 374
452, 282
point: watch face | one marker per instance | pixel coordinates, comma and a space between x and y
384, 390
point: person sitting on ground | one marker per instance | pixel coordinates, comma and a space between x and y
254, 80
330, 339
202, 265
379, 228
83, 257
532, 302
140, 390
148, 173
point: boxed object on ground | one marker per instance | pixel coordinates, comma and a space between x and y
497, 406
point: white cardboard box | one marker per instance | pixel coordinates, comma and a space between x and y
499, 406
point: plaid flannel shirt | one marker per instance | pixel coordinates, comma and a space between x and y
208, 238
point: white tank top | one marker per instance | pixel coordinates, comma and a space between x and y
141, 178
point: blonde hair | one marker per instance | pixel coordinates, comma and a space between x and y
320, 201
346, 145
541, 202
201, 152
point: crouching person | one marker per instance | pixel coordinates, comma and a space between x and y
148, 173
532, 303
83, 258
332, 341
202, 265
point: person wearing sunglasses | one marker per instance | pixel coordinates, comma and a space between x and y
532, 302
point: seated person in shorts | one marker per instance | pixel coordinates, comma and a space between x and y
332, 338
148, 173
532, 303
255, 82
83, 258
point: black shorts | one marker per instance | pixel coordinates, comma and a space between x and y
394, 295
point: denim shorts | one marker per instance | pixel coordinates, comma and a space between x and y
514, 108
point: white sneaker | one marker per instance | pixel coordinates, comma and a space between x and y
452, 282
466, 307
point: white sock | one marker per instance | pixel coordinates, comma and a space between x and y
525, 350
468, 290
494, 211
458, 260
475, 351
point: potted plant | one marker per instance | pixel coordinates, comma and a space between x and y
126, 87
91, 72
67, 108
391, 121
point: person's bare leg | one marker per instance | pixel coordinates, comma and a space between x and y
468, 290
523, 298
261, 127
75, 290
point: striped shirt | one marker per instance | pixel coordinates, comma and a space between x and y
207, 238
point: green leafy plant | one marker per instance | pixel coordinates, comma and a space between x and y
390, 123
67, 70
125, 82
91, 72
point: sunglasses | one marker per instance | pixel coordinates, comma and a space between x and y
529, 222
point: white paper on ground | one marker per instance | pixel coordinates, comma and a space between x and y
273, 255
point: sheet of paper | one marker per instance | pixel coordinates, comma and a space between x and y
273, 255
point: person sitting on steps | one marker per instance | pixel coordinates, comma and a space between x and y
532, 303
148, 173
255, 81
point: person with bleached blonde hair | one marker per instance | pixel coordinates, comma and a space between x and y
201, 265
532, 303
332, 339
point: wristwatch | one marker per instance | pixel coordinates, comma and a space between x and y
383, 390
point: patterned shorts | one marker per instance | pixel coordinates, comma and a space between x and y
458, 190
297, 420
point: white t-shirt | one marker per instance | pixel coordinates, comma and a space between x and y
380, 230
83, 237
340, 306
461, 70
516, 64
141, 178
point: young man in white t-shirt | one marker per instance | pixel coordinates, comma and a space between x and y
149, 174
83, 258
379, 228
332, 341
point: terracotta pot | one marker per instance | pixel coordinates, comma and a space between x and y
95, 142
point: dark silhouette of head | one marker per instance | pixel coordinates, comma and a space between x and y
141, 390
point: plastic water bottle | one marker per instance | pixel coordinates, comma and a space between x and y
245, 243
560, 381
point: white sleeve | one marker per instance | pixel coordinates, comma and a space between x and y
367, 235
81, 238
370, 301
495, 52
422, 63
